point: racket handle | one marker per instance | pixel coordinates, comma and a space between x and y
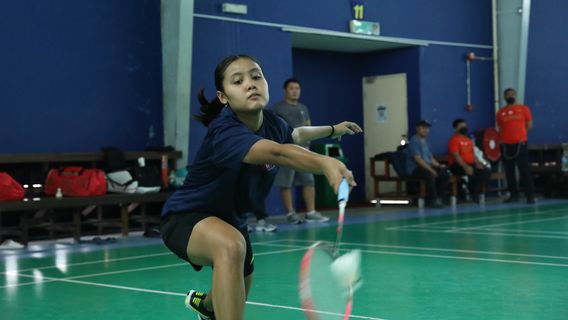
343, 192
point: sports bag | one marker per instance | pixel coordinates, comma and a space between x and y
10, 189
121, 182
76, 182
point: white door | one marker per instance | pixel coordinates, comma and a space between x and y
385, 120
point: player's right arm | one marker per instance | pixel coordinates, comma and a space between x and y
289, 155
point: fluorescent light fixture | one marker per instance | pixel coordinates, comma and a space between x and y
374, 201
26, 186
394, 201
37, 185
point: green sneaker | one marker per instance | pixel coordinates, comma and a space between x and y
194, 301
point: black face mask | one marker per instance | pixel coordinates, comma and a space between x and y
463, 131
510, 100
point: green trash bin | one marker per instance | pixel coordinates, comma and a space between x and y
325, 197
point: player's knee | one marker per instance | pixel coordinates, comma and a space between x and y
233, 250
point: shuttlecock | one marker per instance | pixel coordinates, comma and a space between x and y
347, 269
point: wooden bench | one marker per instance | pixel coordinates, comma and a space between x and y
70, 214
388, 176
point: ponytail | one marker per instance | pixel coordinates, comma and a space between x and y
209, 109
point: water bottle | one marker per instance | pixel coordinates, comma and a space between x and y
565, 161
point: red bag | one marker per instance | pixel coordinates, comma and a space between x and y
10, 189
76, 182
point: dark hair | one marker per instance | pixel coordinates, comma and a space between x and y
211, 109
456, 122
508, 90
291, 80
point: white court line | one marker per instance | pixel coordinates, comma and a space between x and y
528, 231
183, 295
16, 273
101, 261
50, 279
108, 260
487, 233
355, 244
428, 224
449, 257
468, 258
507, 223
73, 280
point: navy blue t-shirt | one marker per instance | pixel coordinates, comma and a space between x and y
219, 182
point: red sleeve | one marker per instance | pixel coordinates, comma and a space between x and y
527, 113
453, 145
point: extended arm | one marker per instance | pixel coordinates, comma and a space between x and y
298, 158
303, 135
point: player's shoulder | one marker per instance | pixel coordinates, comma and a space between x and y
271, 116
227, 120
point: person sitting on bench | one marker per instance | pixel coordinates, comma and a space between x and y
421, 164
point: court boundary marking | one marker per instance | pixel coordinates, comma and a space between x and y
16, 273
134, 257
395, 253
543, 236
355, 244
486, 217
433, 227
75, 281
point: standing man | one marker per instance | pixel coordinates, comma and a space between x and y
421, 164
296, 115
462, 160
513, 122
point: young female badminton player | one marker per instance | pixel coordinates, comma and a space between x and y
204, 222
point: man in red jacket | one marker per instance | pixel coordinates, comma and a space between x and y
462, 160
513, 122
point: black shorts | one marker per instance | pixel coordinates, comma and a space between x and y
176, 229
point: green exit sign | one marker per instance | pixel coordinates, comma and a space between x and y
364, 27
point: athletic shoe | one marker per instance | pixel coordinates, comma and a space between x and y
194, 301
314, 216
264, 226
294, 218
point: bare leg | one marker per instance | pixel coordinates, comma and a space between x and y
248, 284
208, 302
286, 195
309, 193
215, 242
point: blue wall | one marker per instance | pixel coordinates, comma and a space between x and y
80, 74
444, 92
546, 92
466, 21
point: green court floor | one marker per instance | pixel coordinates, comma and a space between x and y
487, 264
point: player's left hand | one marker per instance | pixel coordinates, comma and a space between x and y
346, 127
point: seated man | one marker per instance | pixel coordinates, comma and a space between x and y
462, 160
421, 164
